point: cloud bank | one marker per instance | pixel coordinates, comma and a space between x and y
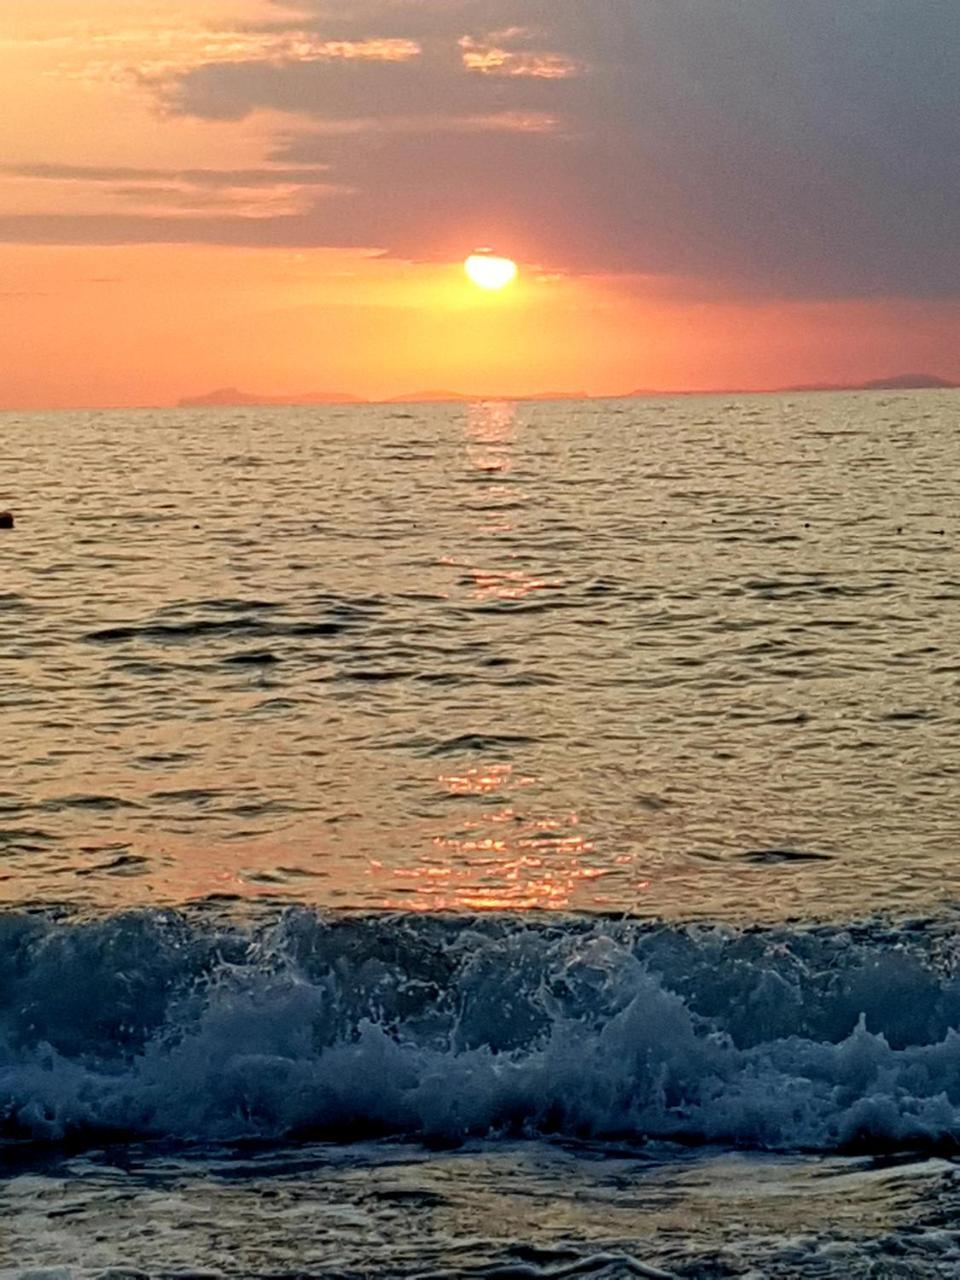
756, 147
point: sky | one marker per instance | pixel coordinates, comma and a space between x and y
279, 194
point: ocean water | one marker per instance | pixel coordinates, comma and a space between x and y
489, 840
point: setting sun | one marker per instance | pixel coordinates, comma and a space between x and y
490, 272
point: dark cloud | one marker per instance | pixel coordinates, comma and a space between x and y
286, 232
434, 84
771, 147
808, 148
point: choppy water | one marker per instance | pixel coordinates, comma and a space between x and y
690, 660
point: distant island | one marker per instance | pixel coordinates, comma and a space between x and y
233, 397
457, 397
429, 397
898, 382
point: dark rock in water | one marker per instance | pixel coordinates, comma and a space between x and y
6, 519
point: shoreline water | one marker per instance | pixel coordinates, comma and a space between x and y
330, 1095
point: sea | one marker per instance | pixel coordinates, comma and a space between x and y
511, 841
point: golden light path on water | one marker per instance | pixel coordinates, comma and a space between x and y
504, 860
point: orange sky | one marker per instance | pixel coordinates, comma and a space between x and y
173, 218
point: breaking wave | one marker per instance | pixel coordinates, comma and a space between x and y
160, 1025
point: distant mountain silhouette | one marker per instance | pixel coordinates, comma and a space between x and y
560, 395
899, 382
457, 397
232, 397
430, 397
911, 382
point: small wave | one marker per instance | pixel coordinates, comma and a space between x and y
798, 588
14, 602
122, 864
309, 630
156, 1025
773, 857
254, 658
238, 618
239, 606
25, 839
480, 743
176, 630
371, 675
526, 1262
83, 801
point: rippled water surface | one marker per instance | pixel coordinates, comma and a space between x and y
690, 658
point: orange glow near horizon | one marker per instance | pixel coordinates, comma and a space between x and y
149, 324
95, 312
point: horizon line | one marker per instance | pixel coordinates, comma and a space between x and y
250, 400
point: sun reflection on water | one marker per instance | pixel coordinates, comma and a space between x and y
508, 584
508, 858
524, 852
491, 433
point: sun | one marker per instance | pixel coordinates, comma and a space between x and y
488, 271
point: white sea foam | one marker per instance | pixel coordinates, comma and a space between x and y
147, 1025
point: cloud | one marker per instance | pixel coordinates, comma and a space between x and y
262, 177
262, 193
763, 147
776, 147
135, 55
494, 56
290, 231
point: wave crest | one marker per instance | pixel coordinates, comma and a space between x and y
153, 1025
